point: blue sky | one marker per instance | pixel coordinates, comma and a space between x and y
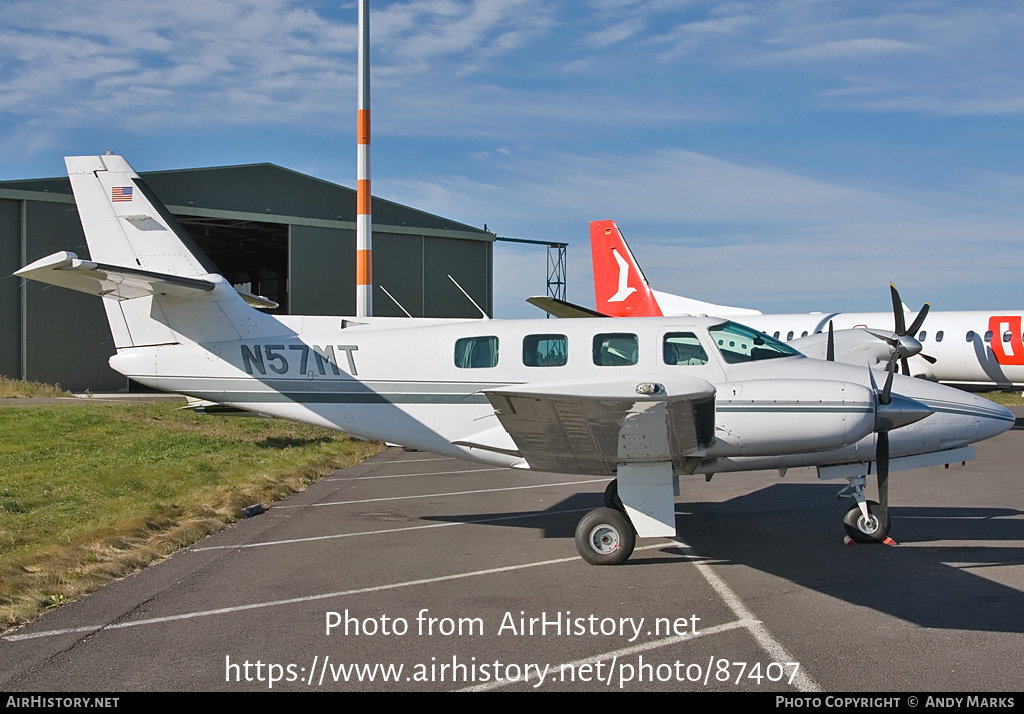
788, 156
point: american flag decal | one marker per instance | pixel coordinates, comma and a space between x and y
121, 193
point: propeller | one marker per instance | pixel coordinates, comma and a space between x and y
901, 326
903, 340
892, 412
830, 349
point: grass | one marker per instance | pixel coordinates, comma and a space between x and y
1007, 399
14, 388
90, 492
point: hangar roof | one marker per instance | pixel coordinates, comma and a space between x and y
265, 192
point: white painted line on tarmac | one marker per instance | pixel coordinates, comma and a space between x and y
450, 493
624, 652
532, 514
304, 599
802, 681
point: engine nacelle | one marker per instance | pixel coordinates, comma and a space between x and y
765, 417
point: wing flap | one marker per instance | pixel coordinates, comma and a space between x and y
590, 428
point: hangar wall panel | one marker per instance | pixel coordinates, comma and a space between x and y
10, 289
469, 262
322, 271
69, 340
398, 267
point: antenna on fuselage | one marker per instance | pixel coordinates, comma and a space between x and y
482, 313
385, 290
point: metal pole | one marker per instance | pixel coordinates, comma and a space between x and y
364, 221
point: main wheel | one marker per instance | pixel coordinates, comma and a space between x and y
611, 496
867, 530
605, 537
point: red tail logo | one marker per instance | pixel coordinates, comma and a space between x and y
1006, 352
620, 288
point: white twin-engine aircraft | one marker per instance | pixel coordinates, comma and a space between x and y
975, 350
643, 400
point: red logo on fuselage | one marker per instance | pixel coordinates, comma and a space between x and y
1011, 352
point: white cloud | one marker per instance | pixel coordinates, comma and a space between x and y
753, 235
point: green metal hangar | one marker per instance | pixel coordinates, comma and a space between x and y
271, 231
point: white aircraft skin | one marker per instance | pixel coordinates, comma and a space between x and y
670, 396
977, 350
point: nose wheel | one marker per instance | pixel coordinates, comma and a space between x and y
873, 528
605, 537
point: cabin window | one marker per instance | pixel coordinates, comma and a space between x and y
804, 333
776, 334
922, 336
789, 335
683, 348
988, 335
739, 343
1007, 336
939, 335
970, 335
616, 350
476, 352
545, 350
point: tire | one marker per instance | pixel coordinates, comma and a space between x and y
611, 496
605, 537
860, 531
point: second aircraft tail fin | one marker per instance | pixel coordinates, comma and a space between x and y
620, 288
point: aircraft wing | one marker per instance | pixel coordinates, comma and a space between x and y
561, 308
117, 282
591, 428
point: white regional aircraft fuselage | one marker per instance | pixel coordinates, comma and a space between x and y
644, 399
973, 349
977, 350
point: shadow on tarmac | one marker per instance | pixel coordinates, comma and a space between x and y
794, 532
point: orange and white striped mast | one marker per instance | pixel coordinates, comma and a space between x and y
364, 222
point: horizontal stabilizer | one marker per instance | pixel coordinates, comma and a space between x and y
64, 269
561, 308
114, 282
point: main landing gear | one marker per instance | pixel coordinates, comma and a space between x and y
606, 536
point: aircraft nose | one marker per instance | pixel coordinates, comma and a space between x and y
993, 418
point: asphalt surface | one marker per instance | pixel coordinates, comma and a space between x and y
438, 567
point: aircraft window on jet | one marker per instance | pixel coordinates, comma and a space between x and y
683, 348
739, 343
988, 335
476, 352
804, 333
776, 334
970, 335
1007, 336
920, 337
939, 335
789, 336
545, 350
616, 350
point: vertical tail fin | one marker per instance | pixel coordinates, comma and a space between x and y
126, 224
159, 288
620, 288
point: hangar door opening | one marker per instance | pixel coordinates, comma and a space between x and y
252, 256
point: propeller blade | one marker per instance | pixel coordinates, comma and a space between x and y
830, 350
919, 320
905, 366
897, 311
882, 467
886, 396
929, 358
